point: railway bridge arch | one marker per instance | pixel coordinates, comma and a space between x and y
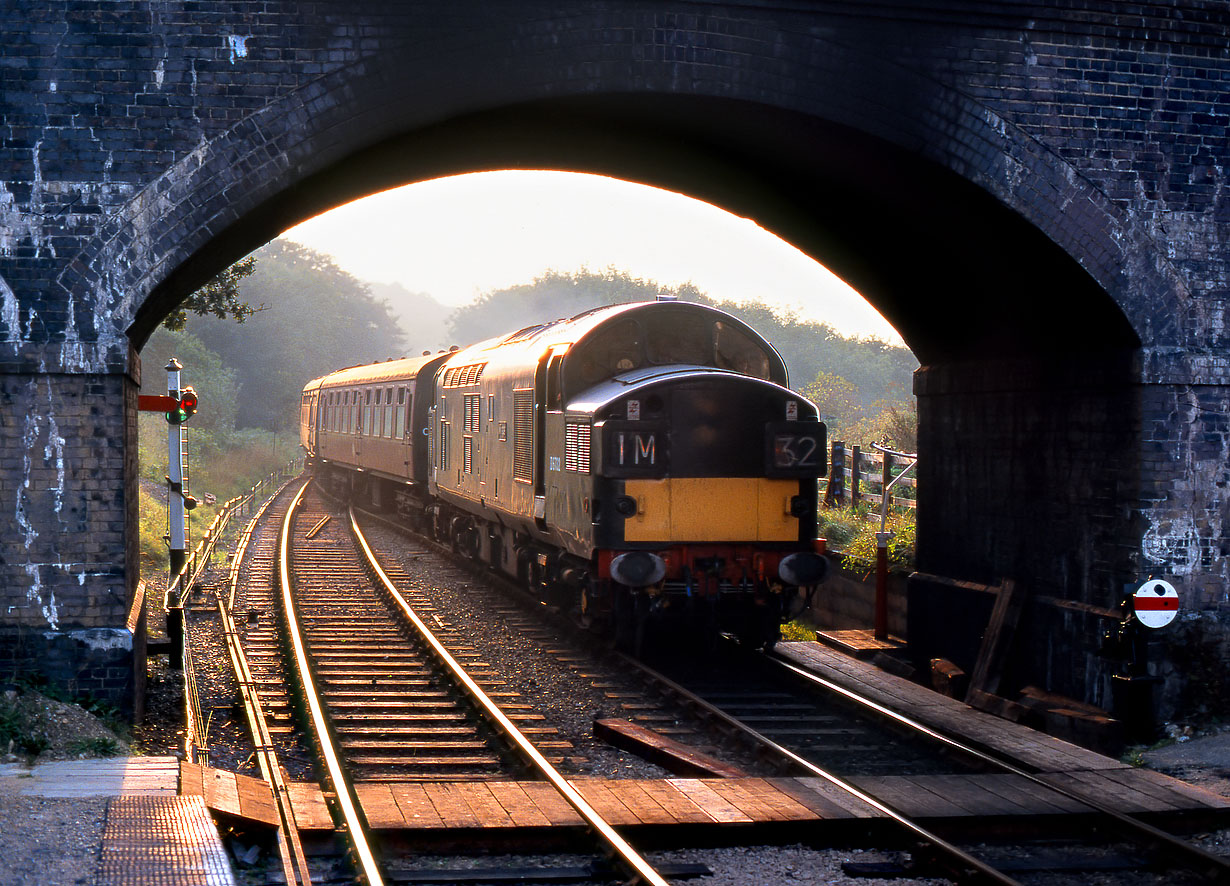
1035, 196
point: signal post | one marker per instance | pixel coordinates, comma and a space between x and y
178, 405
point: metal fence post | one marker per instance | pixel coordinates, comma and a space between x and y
887, 480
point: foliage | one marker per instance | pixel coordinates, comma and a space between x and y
798, 630
213, 380
892, 424
839, 526
151, 533
219, 297
852, 531
100, 746
892, 421
553, 295
836, 398
19, 729
318, 319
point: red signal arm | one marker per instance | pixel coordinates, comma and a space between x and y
153, 403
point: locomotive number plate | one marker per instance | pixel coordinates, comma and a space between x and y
795, 449
634, 449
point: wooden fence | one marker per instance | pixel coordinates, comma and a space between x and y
858, 476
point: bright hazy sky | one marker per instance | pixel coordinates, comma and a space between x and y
454, 238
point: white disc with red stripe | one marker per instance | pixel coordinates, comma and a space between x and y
1156, 603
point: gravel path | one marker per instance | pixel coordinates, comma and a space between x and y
46, 842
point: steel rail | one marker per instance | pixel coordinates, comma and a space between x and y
1167, 843
290, 846
624, 855
969, 868
242, 548
342, 789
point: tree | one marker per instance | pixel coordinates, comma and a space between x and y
551, 296
219, 297
318, 319
894, 425
837, 399
205, 371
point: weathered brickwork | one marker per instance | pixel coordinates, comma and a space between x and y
1033, 193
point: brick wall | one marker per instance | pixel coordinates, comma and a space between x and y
1011, 184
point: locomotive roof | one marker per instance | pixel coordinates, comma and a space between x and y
622, 386
534, 339
537, 338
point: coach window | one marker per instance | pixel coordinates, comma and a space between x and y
353, 427
399, 423
388, 413
367, 413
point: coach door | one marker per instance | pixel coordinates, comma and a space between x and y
313, 418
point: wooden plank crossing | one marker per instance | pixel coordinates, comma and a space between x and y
1034, 750
737, 802
241, 796
435, 808
859, 642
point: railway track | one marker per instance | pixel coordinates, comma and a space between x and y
1100, 838
845, 740
372, 678
371, 669
395, 715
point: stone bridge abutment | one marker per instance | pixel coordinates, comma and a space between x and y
1034, 196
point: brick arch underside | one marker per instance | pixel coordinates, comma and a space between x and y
960, 275
1028, 396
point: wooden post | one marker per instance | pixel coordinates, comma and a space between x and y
835, 492
856, 467
996, 642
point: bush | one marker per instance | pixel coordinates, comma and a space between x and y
852, 531
223, 465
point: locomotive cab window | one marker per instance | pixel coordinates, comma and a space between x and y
687, 339
555, 383
620, 348
739, 352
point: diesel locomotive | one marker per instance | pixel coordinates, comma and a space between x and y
637, 464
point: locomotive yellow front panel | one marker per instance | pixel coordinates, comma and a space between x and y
711, 509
